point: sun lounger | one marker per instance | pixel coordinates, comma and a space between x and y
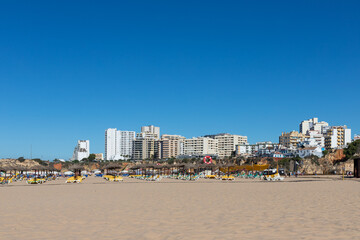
228, 178
74, 179
210, 176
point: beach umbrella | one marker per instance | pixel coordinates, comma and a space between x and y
4, 169
112, 166
228, 166
13, 167
159, 168
189, 167
76, 168
138, 167
151, 166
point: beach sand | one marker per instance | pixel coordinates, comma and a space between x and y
302, 208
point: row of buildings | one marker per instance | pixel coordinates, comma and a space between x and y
312, 138
315, 133
149, 144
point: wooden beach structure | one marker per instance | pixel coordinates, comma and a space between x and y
37, 178
112, 172
76, 169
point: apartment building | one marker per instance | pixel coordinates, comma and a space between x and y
337, 137
291, 139
118, 144
111, 149
312, 124
252, 149
227, 143
201, 146
82, 150
149, 132
171, 145
126, 143
146, 148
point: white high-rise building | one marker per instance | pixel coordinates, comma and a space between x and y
111, 144
82, 150
118, 144
126, 143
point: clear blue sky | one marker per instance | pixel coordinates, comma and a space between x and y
71, 69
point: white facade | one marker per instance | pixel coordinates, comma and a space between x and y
244, 149
347, 136
201, 146
111, 145
126, 143
308, 151
227, 143
252, 149
82, 150
337, 137
118, 144
317, 137
312, 124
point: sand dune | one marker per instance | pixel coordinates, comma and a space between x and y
303, 208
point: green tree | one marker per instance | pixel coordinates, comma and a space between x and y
325, 152
92, 157
351, 149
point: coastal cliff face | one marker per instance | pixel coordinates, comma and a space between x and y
8, 162
332, 162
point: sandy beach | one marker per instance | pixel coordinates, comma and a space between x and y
302, 208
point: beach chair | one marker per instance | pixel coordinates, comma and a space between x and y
118, 179
228, 178
74, 179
